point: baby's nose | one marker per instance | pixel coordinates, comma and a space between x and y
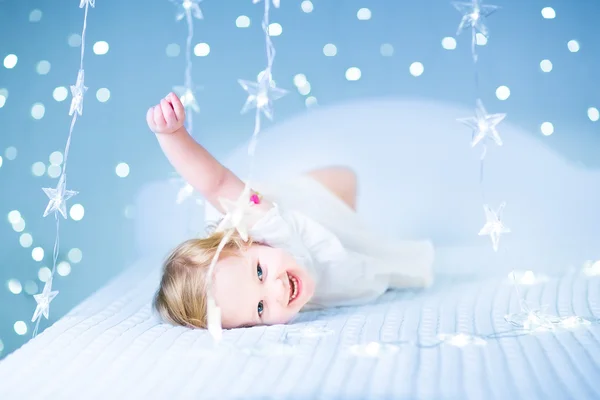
279, 292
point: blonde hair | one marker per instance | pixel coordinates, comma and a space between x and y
181, 297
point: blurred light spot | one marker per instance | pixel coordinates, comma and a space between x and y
242, 21
122, 170
54, 171
31, 287
307, 6
386, 50
14, 216
573, 46
44, 274
10, 61
35, 15
310, 101
19, 226
38, 110
449, 43
10, 153
101, 48
546, 65
353, 74
304, 89
299, 80
416, 69
43, 67
0, 161
75, 255
201, 49
60, 93
103, 94
38, 168
1, 346
129, 212
547, 128
63, 268
173, 50
329, 50
275, 29
56, 158
548, 13
503, 92
2, 100
20, 328
37, 254
26, 240
74, 40
480, 39
593, 114
14, 286
363, 14
77, 212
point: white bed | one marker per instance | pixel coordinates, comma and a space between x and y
111, 346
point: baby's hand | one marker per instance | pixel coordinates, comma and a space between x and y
166, 117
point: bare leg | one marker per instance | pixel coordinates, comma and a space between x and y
341, 181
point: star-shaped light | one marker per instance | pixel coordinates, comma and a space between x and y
262, 93
84, 2
78, 91
58, 197
276, 3
483, 125
43, 301
239, 214
187, 97
474, 15
189, 8
493, 225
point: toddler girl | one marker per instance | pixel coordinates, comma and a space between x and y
305, 248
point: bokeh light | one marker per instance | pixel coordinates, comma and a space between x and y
35, 15
275, 29
10, 61
37, 254
353, 74
307, 6
242, 21
14, 286
593, 114
76, 212
100, 48
20, 328
122, 170
75, 255
502, 92
38, 111
201, 49
386, 50
173, 50
416, 69
43, 67
60, 93
102, 95
548, 13
547, 128
449, 43
363, 14
330, 50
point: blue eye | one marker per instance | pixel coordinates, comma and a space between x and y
260, 308
259, 271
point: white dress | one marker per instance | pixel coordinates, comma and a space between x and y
349, 262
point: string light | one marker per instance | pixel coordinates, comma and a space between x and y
529, 319
188, 10
58, 196
261, 95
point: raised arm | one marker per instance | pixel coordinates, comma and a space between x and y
192, 161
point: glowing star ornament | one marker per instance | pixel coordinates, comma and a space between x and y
493, 225
43, 301
262, 93
239, 214
187, 97
90, 2
78, 91
474, 15
189, 8
483, 125
58, 197
276, 3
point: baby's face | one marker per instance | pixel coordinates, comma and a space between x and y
263, 286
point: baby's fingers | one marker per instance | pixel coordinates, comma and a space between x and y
177, 106
150, 117
168, 113
159, 119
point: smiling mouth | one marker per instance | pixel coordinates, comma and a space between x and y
294, 287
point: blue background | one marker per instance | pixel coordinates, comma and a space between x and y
138, 72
